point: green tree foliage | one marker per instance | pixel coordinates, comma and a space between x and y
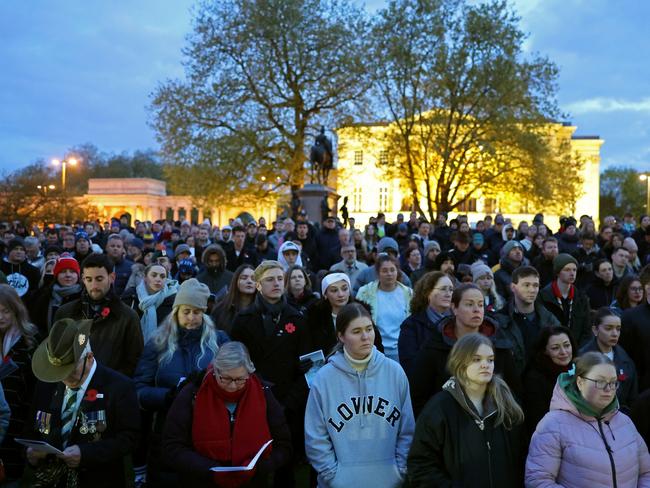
261, 76
622, 191
471, 110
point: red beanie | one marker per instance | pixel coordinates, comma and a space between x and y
66, 261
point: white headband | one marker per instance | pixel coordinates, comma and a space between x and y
333, 278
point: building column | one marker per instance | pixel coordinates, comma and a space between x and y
176, 214
199, 216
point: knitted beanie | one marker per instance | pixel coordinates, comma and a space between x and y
509, 246
66, 261
478, 269
193, 293
431, 245
561, 260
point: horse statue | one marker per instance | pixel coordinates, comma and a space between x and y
321, 158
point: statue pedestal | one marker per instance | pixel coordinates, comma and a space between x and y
311, 195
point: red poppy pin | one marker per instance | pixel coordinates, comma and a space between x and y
91, 396
290, 328
105, 312
622, 376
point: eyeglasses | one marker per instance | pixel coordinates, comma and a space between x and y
444, 289
227, 380
636, 289
602, 384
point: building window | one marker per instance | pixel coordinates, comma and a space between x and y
384, 199
358, 157
383, 157
356, 199
490, 205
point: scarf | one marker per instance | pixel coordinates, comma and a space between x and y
271, 313
149, 304
435, 317
56, 298
568, 384
97, 310
563, 302
215, 437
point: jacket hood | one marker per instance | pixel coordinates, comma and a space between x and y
452, 386
567, 397
214, 249
446, 335
288, 246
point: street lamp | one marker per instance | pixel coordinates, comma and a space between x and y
45, 188
646, 177
64, 163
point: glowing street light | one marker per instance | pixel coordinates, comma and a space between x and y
64, 163
646, 177
45, 188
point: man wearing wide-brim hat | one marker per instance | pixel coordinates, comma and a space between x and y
84, 409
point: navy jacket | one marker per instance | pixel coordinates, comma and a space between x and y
414, 332
153, 380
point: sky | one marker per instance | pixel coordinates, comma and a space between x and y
74, 72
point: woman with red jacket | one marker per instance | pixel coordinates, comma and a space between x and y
224, 421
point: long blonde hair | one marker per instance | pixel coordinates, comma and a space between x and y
166, 338
10, 300
509, 413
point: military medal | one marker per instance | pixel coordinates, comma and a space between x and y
101, 422
83, 429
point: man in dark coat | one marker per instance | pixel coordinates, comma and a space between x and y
544, 262
328, 245
214, 273
238, 253
117, 336
523, 318
513, 257
569, 305
87, 411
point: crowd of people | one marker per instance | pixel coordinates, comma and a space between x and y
299, 353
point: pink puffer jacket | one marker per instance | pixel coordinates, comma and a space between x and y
568, 451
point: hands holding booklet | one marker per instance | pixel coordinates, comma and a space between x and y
250, 466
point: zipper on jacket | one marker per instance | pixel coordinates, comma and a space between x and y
609, 452
489, 449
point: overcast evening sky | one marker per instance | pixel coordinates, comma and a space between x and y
73, 72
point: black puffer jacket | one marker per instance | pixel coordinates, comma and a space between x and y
430, 371
579, 322
601, 294
454, 446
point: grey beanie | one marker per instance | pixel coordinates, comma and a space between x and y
431, 245
387, 243
478, 269
193, 293
561, 260
509, 246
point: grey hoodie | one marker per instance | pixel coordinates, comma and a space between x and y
359, 426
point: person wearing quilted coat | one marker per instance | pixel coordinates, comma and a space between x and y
585, 440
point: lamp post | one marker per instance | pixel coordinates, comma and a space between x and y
64, 163
646, 177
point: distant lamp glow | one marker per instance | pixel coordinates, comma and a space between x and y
645, 177
72, 161
56, 162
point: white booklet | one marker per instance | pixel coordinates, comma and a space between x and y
318, 360
251, 465
38, 446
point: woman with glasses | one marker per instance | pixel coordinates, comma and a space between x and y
185, 343
431, 303
607, 331
585, 440
629, 294
223, 419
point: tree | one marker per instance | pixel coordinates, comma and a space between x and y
622, 191
261, 75
470, 112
